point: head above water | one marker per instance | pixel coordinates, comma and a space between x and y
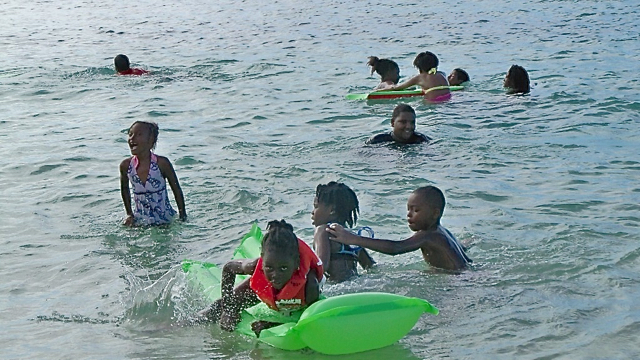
517, 80
387, 69
425, 207
121, 63
403, 122
457, 77
426, 61
340, 201
280, 253
149, 129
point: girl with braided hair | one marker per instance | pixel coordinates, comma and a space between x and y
287, 276
336, 203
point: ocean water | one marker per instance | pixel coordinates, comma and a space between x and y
249, 97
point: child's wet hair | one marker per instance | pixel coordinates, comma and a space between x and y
121, 62
343, 200
426, 61
383, 66
462, 75
518, 79
154, 130
402, 108
433, 196
280, 238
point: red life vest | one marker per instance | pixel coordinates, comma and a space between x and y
292, 295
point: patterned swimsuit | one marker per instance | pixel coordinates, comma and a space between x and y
151, 198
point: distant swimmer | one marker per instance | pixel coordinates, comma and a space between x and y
458, 77
517, 80
122, 65
147, 173
434, 83
387, 69
438, 246
403, 122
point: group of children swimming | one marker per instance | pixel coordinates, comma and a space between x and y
289, 274
435, 83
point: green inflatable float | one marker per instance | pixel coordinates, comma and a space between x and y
341, 324
396, 94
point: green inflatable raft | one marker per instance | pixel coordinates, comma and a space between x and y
341, 324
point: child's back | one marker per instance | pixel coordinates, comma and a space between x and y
434, 84
441, 249
387, 69
336, 202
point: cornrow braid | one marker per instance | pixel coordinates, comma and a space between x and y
343, 200
280, 238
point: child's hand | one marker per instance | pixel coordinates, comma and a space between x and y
258, 326
340, 234
128, 221
229, 320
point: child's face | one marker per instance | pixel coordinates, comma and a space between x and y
404, 126
454, 79
321, 213
140, 140
278, 268
420, 214
507, 81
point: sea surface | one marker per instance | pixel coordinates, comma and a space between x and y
543, 189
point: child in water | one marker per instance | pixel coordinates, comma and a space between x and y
122, 65
287, 276
387, 69
147, 173
517, 80
434, 83
337, 203
424, 210
458, 77
403, 122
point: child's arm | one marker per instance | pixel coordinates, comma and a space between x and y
364, 259
233, 268
167, 171
312, 288
409, 83
233, 301
390, 247
229, 272
322, 245
124, 191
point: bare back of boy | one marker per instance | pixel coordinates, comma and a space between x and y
440, 249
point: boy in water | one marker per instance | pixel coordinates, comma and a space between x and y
122, 65
403, 122
424, 210
458, 77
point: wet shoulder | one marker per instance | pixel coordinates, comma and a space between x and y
380, 138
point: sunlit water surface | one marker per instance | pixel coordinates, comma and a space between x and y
249, 96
